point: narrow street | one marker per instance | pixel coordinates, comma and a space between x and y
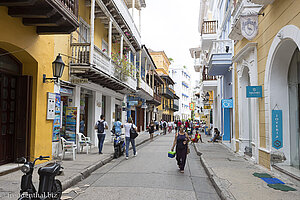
150, 175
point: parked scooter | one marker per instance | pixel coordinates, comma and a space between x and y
49, 187
119, 145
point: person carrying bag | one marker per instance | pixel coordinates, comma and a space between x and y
130, 135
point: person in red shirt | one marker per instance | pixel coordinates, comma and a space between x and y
178, 125
186, 124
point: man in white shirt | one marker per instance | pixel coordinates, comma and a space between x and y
101, 127
128, 140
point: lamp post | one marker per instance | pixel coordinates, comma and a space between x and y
58, 68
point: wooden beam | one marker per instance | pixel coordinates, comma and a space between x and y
17, 2
48, 30
31, 12
52, 21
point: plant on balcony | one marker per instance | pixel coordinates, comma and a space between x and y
125, 67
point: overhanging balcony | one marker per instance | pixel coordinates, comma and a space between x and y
48, 16
144, 90
166, 92
208, 33
104, 72
208, 82
156, 100
220, 57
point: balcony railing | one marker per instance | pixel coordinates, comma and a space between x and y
81, 57
209, 27
49, 17
167, 92
157, 97
219, 46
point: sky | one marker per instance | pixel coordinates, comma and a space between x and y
172, 26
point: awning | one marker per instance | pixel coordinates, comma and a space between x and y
219, 64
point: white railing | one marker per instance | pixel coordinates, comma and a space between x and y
105, 64
127, 17
146, 87
220, 46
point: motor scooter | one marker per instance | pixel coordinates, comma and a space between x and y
49, 187
119, 145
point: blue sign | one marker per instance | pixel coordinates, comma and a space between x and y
253, 91
227, 103
277, 129
133, 103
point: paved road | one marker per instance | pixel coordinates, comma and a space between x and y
151, 175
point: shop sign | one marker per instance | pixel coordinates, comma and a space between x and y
277, 129
57, 119
66, 90
79, 81
227, 103
254, 91
71, 116
133, 103
249, 26
207, 107
203, 117
192, 106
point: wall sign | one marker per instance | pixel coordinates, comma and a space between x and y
192, 106
133, 103
71, 114
253, 91
207, 107
51, 106
277, 129
249, 26
227, 103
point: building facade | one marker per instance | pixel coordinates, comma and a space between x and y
182, 89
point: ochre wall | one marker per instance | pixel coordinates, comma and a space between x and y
36, 53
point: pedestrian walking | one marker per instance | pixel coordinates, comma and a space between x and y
157, 125
151, 129
181, 141
101, 126
192, 126
170, 127
128, 140
164, 124
118, 127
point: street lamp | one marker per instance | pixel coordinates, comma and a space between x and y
58, 68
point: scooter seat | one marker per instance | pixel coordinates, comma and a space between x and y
53, 168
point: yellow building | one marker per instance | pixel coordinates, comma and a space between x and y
166, 109
98, 46
268, 125
27, 50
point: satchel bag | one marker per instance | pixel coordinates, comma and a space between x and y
133, 133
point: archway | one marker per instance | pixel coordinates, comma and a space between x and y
278, 91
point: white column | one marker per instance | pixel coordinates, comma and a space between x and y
92, 30
97, 97
121, 46
109, 37
140, 20
77, 104
134, 63
133, 7
110, 109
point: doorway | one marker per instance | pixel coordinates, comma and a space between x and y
15, 109
294, 105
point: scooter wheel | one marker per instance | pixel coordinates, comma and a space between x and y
56, 190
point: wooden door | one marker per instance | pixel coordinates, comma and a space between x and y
23, 117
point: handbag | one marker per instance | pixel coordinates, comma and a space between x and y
133, 133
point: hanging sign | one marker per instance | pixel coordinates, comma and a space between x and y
253, 91
227, 103
71, 114
57, 119
277, 129
192, 106
207, 107
249, 26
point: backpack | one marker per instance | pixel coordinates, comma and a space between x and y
133, 133
165, 124
100, 127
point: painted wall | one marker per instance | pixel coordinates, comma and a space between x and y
277, 15
36, 53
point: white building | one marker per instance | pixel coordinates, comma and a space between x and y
183, 89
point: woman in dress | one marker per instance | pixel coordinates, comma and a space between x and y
181, 141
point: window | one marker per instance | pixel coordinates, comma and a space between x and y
84, 31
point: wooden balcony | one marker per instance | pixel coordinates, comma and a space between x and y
166, 92
209, 27
156, 99
205, 76
48, 16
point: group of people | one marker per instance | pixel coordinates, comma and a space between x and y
102, 129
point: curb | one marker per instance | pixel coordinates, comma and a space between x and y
90, 169
223, 193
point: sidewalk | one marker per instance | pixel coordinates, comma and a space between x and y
232, 175
74, 171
